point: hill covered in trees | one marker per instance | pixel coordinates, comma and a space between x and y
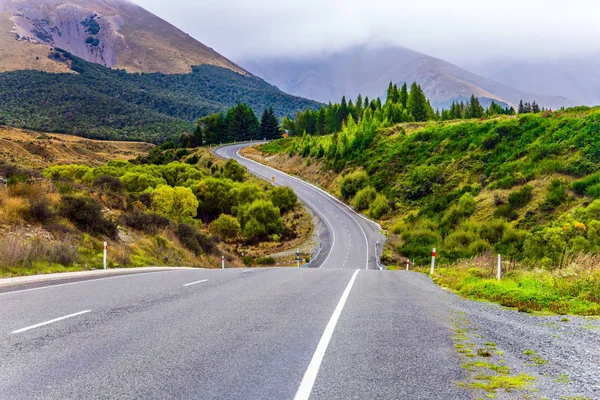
102, 103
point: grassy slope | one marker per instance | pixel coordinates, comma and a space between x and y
58, 246
424, 169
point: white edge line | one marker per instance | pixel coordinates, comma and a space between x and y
305, 388
87, 281
351, 213
49, 322
195, 283
248, 270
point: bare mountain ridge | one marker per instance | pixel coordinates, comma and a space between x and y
368, 70
113, 33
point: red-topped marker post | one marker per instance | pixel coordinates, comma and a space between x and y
105, 251
432, 261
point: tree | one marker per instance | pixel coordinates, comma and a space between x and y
284, 198
213, 128
198, 137
417, 103
234, 171
379, 207
260, 219
521, 107
403, 96
226, 226
174, 202
321, 121
269, 125
242, 123
535, 108
474, 108
364, 198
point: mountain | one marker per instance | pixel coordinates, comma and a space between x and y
369, 69
108, 69
113, 33
576, 77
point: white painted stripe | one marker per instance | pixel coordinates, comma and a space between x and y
248, 270
195, 283
49, 322
310, 375
88, 281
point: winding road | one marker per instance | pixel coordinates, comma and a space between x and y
345, 330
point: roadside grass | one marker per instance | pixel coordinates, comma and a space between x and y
574, 289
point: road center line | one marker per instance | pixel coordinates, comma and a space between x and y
310, 375
49, 322
248, 270
195, 283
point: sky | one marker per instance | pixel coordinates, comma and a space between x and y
460, 31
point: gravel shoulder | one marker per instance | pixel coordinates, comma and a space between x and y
562, 353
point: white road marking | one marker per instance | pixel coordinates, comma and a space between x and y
248, 270
87, 281
310, 375
195, 283
49, 322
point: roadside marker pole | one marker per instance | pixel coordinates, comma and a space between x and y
432, 262
222, 262
297, 255
499, 267
407, 263
105, 250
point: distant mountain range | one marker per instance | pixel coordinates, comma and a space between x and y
369, 69
72, 67
576, 77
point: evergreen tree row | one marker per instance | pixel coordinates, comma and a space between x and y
239, 124
402, 105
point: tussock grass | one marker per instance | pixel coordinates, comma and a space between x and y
574, 289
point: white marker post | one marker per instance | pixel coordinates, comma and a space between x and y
222, 262
407, 263
432, 261
297, 255
499, 267
105, 251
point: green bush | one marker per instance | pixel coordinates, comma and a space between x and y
379, 207
195, 241
364, 198
146, 222
234, 171
352, 183
86, 214
226, 226
284, 198
260, 219
521, 197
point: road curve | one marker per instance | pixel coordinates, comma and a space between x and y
351, 238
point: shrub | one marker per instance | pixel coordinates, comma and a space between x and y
260, 219
490, 141
265, 261
492, 231
557, 194
284, 198
195, 241
146, 222
364, 198
86, 214
520, 198
108, 183
352, 183
467, 204
226, 226
507, 212
174, 202
379, 207
13, 210
39, 210
234, 171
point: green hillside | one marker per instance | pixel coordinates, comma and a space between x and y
526, 187
102, 103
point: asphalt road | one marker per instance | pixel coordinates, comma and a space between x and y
336, 332
352, 239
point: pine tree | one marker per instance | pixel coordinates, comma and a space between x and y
391, 94
521, 107
403, 96
359, 106
535, 108
366, 103
269, 125
321, 121
417, 103
242, 123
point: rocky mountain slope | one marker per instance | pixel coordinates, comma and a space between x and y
113, 33
369, 69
